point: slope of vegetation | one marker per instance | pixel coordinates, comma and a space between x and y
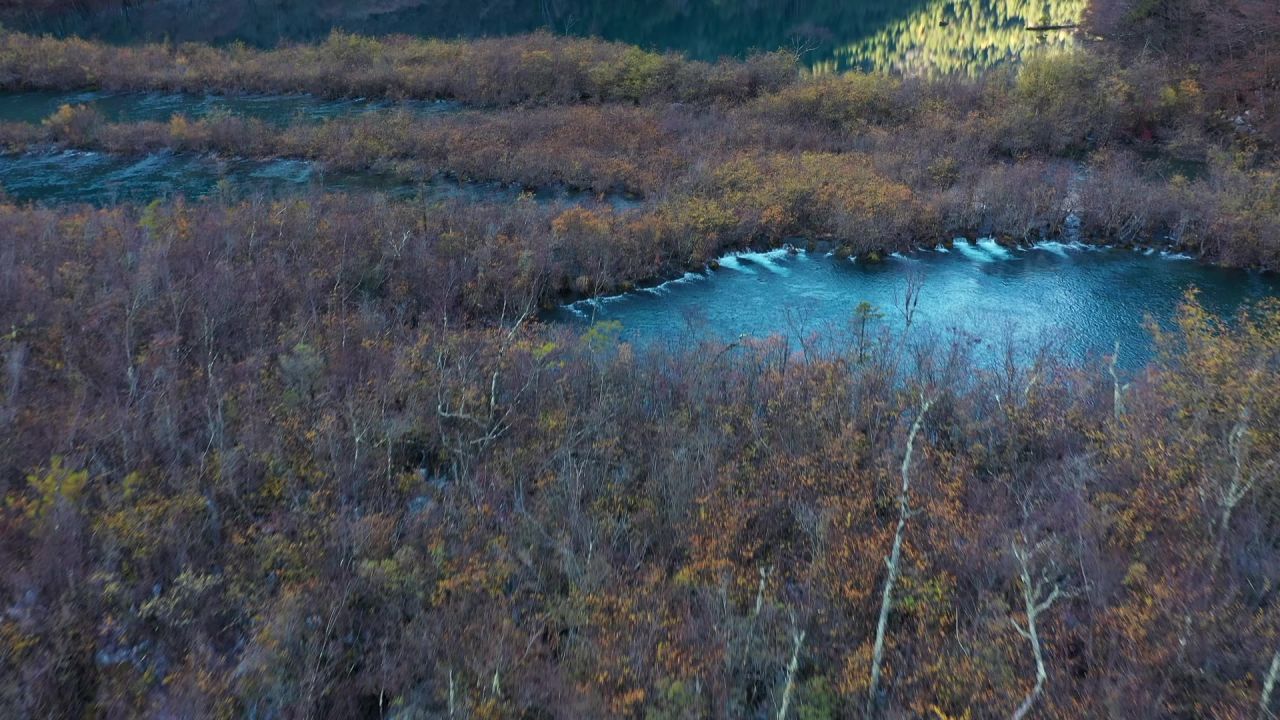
272, 460
1231, 48
1129, 149
533, 68
319, 457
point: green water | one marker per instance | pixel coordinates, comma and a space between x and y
74, 176
1081, 300
910, 36
33, 107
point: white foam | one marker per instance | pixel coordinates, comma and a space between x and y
768, 261
733, 263
1052, 246
973, 252
686, 278
993, 248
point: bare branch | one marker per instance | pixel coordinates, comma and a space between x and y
1035, 601
797, 639
893, 561
1118, 389
1269, 686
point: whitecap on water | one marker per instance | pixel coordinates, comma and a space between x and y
1052, 246
767, 260
686, 278
973, 252
733, 263
994, 249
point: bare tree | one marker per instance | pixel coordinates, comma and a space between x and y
1268, 686
797, 641
1118, 389
1243, 480
1038, 596
894, 560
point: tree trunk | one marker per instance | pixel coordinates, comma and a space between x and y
1034, 605
894, 560
797, 637
1269, 685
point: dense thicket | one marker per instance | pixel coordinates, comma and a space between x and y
1232, 48
538, 68
318, 457
865, 162
263, 460
1130, 148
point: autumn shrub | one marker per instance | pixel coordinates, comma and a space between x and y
720, 179
74, 124
606, 249
319, 456
1226, 49
1119, 202
738, 81
335, 458
1061, 104
1154, 105
941, 157
633, 75
842, 102
777, 196
1242, 213
1026, 201
21, 137
601, 149
539, 68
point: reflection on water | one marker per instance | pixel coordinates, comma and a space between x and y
33, 107
962, 38
102, 179
1082, 299
913, 36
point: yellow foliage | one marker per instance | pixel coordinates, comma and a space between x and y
842, 100
56, 484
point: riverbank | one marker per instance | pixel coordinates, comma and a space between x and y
875, 164
700, 192
326, 433
1081, 300
319, 456
537, 68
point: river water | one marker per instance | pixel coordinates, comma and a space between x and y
1081, 299
279, 110
74, 176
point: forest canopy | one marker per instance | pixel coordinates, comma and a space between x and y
322, 456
